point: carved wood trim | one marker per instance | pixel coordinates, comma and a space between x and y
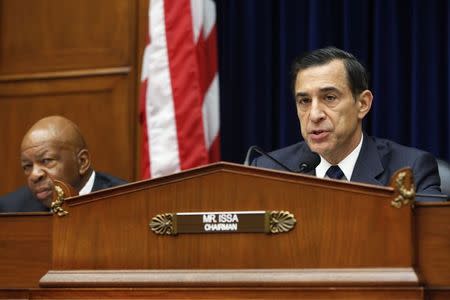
232, 168
66, 74
399, 277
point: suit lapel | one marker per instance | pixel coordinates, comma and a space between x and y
98, 183
368, 165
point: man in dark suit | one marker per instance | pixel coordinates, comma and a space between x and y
332, 98
54, 148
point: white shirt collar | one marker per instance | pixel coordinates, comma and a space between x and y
347, 165
87, 188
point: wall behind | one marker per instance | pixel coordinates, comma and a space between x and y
74, 58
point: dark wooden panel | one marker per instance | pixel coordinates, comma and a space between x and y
354, 293
25, 249
433, 243
53, 57
14, 294
437, 294
49, 35
97, 104
339, 224
142, 39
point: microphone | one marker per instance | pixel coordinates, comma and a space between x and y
310, 160
263, 153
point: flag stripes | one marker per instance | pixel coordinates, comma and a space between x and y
179, 104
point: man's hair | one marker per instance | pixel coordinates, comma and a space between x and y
357, 77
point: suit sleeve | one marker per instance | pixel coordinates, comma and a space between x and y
426, 175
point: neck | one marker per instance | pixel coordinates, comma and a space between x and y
336, 157
83, 180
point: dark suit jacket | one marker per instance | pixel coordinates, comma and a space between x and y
376, 163
22, 200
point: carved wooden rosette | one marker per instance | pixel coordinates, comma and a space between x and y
164, 224
280, 221
405, 191
61, 191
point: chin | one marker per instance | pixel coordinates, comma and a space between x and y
317, 148
47, 202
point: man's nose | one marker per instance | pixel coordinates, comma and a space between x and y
316, 114
37, 174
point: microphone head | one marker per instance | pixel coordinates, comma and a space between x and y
310, 161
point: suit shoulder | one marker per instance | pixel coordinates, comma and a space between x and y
289, 156
20, 192
294, 149
395, 156
388, 147
21, 200
103, 180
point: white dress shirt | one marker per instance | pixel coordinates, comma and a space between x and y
87, 188
347, 165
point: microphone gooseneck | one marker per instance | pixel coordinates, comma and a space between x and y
255, 148
310, 161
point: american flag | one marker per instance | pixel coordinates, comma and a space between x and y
179, 99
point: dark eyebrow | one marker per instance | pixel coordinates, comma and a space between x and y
24, 161
39, 154
329, 89
326, 89
42, 152
301, 95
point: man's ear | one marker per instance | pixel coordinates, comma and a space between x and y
364, 103
84, 161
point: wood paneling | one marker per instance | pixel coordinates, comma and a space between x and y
76, 58
260, 293
142, 40
112, 225
437, 294
350, 226
97, 104
25, 247
49, 35
232, 293
433, 243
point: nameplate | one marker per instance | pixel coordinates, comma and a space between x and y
223, 222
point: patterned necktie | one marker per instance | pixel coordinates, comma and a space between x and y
335, 172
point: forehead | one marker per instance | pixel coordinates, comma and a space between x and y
39, 149
40, 137
332, 74
39, 142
